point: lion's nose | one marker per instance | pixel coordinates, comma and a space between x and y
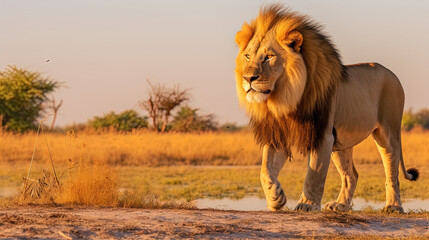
251, 78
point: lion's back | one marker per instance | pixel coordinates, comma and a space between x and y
374, 82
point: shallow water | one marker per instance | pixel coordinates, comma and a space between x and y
253, 203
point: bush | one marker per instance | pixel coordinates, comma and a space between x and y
423, 118
408, 120
187, 120
125, 121
411, 120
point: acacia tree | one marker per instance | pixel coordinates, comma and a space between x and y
22, 94
161, 103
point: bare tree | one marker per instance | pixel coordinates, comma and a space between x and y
172, 99
54, 107
161, 103
151, 105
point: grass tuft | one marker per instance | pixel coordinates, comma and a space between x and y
94, 185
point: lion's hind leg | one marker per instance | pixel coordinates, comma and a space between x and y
389, 146
343, 161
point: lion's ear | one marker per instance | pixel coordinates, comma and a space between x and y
294, 40
243, 37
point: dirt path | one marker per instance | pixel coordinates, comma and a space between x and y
108, 223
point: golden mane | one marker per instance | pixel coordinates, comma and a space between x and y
274, 122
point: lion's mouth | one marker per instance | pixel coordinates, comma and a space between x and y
264, 92
258, 96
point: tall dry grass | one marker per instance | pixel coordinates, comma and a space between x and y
137, 148
153, 149
98, 185
94, 185
89, 185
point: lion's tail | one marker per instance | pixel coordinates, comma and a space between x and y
411, 174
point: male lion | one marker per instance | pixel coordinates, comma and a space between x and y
298, 94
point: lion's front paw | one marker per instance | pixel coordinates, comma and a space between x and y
276, 198
274, 194
335, 206
393, 209
307, 207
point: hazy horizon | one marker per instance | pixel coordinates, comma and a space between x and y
104, 51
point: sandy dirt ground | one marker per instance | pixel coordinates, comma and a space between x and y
114, 223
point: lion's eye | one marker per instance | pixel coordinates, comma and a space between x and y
247, 56
269, 57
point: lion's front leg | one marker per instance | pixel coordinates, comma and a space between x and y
314, 182
272, 163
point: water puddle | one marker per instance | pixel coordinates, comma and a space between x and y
253, 203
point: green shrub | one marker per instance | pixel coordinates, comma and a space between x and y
188, 120
125, 121
411, 120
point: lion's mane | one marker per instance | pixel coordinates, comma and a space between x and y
273, 122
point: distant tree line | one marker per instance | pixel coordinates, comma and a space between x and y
167, 110
186, 119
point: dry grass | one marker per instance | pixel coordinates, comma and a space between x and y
90, 185
138, 148
152, 149
98, 185
93, 185
113, 169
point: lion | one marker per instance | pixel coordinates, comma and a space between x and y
299, 96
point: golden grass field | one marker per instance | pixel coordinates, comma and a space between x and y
144, 169
153, 149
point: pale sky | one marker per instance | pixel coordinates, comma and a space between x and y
104, 50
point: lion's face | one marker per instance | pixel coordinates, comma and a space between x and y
270, 71
263, 65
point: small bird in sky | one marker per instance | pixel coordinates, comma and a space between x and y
48, 60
